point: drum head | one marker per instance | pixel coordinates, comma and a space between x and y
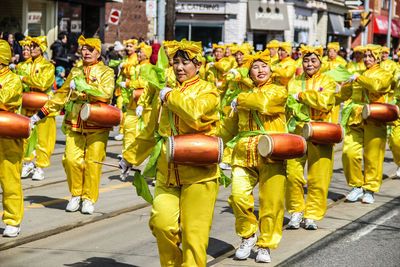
170, 149
366, 111
307, 131
220, 150
265, 146
85, 112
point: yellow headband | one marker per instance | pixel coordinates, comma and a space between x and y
168, 45
216, 46
376, 50
193, 49
130, 41
273, 44
263, 56
92, 42
385, 49
41, 41
243, 48
24, 43
5, 52
317, 50
146, 49
358, 48
335, 46
287, 46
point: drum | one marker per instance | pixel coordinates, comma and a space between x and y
14, 125
321, 132
380, 112
101, 114
194, 149
34, 100
138, 93
282, 146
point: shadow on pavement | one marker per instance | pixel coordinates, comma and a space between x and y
216, 246
100, 262
48, 202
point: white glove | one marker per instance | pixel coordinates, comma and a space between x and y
72, 85
234, 104
234, 72
139, 111
21, 77
296, 96
34, 119
164, 92
12, 66
123, 84
121, 65
352, 78
211, 63
125, 168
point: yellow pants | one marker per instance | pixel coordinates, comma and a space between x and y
183, 215
130, 129
120, 105
370, 138
83, 175
227, 158
394, 142
320, 168
11, 153
47, 133
271, 179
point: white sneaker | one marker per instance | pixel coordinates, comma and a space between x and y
398, 172
368, 197
263, 255
87, 207
38, 174
225, 166
73, 204
27, 168
295, 220
310, 224
11, 231
119, 137
243, 252
355, 194
153, 183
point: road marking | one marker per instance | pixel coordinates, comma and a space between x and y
366, 230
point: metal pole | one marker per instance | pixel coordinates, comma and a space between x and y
389, 32
161, 20
364, 39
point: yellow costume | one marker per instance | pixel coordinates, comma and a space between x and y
275, 45
285, 69
317, 93
85, 142
11, 150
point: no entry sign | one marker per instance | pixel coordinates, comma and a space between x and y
115, 14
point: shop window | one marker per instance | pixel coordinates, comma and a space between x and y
36, 18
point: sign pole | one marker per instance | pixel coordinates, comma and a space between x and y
364, 39
389, 31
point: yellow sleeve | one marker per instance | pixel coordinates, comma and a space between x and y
345, 93
148, 94
42, 78
321, 100
223, 66
228, 128
104, 84
285, 72
10, 93
378, 83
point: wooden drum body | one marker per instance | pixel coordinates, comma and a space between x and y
14, 125
138, 93
380, 112
282, 146
34, 100
194, 149
101, 114
321, 132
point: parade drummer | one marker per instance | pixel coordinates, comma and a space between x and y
259, 107
365, 139
40, 78
273, 46
394, 138
315, 91
184, 195
85, 142
285, 68
24, 66
357, 66
11, 150
229, 55
126, 73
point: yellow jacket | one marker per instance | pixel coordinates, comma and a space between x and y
268, 102
100, 78
194, 105
127, 70
149, 92
317, 93
215, 74
284, 71
375, 81
356, 67
274, 60
24, 68
10, 91
332, 64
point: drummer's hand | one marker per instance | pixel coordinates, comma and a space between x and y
121, 65
123, 84
352, 78
211, 63
139, 111
296, 96
234, 104
164, 92
125, 167
72, 85
234, 72
12, 66
34, 119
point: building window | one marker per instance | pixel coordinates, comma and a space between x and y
385, 4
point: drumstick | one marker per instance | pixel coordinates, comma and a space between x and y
113, 165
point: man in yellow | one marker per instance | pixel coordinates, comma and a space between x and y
40, 79
285, 69
11, 150
184, 195
316, 92
357, 66
365, 139
126, 71
85, 142
259, 108
273, 51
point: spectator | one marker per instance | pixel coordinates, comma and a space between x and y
60, 51
60, 76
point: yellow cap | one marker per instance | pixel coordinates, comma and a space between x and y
146, 49
243, 48
376, 50
287, 46
358, 48
317, 50
273, 44
193, 49
41, 41
385, 49
24, 43
263, 56
334, 46
215, 46
5, 52
92, 42
130, 41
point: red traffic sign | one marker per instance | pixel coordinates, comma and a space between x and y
115, 14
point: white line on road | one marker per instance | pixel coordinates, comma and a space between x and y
366, 230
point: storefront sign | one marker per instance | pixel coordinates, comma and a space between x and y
381, 26
202, 8
64, 24
266, 16
34, 17
76, 26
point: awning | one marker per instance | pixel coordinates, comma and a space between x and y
268, 16
336, 26
381, 26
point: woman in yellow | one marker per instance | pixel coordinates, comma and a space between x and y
85, 142
217, 70
273, 51
316, 92
285, 69
127, 70
24, 67
260, 108
184, 196
40, 79
11, 150
357, 66
365, 139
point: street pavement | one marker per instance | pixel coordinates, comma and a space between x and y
117, 234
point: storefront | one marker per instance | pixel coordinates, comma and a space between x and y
337, 32
380, 31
